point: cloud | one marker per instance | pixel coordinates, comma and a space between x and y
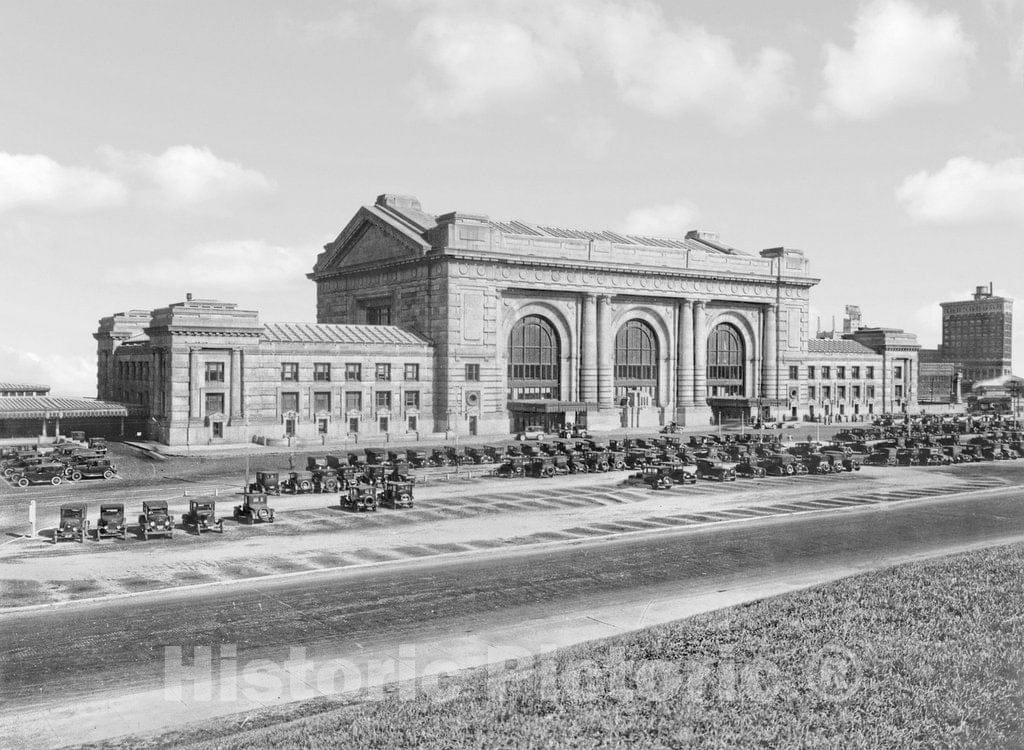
37, 181
252, 265
188, 177
475, 61
666, 220
479, 56
966, 190
67, 375
901, 56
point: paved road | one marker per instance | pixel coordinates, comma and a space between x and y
62, 655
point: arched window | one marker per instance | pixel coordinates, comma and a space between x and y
726, 369
534, 353
636, 360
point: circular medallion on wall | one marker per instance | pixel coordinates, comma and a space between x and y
506, 273
463, 269
556, 276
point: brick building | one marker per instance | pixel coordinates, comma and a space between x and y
977, 336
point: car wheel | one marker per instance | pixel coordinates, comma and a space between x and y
790, 469
262, 514
55, 481
405, 497
665, 482
108, 474
23, 482
540, 435
75, 476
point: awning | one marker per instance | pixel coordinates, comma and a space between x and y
546, 406
52, 407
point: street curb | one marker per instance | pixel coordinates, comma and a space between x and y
466, 553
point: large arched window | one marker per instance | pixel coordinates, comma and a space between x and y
726, 369
533, 360
636, 360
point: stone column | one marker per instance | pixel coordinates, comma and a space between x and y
236, 384
193, 383
684, 361
588, 353
770, 360
605, 354
700, 355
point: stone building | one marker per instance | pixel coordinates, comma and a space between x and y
505, 324
977, 336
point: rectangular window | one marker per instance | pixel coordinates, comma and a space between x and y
856, 392
794, 372
855, 372
826, 372
871, 391
826, 392
289, 401
322, 372
412, 371
353, 371
841, 372
869, 372
382, 371
412, 399
322, 401
810, 372
214, 403
812, 392
841, 392
383, 399
289, 371
321, 426
897, 372
378, 315
472, 372
353, 401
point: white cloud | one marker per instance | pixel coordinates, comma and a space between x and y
477, 60
252, 265
489, 53
966, 190
901, 55
67, 375
35, 180
188, 177
666, 220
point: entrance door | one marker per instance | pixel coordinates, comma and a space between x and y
289, 427
384, 422
218, 429
353, 425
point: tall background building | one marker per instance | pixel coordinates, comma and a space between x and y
977, 335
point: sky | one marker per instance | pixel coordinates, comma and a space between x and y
150, 149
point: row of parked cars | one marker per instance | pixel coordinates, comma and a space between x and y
73, 460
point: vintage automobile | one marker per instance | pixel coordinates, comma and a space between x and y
882, 456
817, 463
532, 432
362, 497
202, 516
374, 456
43, 473
397, 494
73, 523
376, 475
347, 476
400, 472
267, 482
598, 460
298, 482
842, 460
98, 444
111, 522
254, 508
78, 436
577, 462
573, 431
718, 471
513, 466
457, 456
747, 467
94, 467
438, 457
155, 520
70, 452
543, 467
21, 462
663, 476
616, 460
781, 465
416, 458
478, 455
325, 479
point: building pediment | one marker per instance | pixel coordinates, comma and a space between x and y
373, 237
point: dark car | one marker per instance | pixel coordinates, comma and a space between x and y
94, 467
514, 466
718, 471
362, 497
746, 467
202, 516
98, 444
325, 480
439, 457
111, 522
416, 458
267, 482
374, 455
22, 461
478, 456
73, 522
44, 473
397, 494
573, 431
254, 509
155, 520
782, 464
298, 482
457, 456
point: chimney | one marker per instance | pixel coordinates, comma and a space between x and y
188, 296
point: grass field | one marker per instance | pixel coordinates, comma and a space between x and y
924, 655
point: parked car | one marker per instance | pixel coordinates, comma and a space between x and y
254, 509
438, 457
513, 466
155, 520
746, 467
416, 458
44, 473
94, 467
325, 480
362, 497
73, 523
111, 522
202, 516
298, 482
267, 482
532, 432
478, 456
718, 471
397, 494
98, 444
